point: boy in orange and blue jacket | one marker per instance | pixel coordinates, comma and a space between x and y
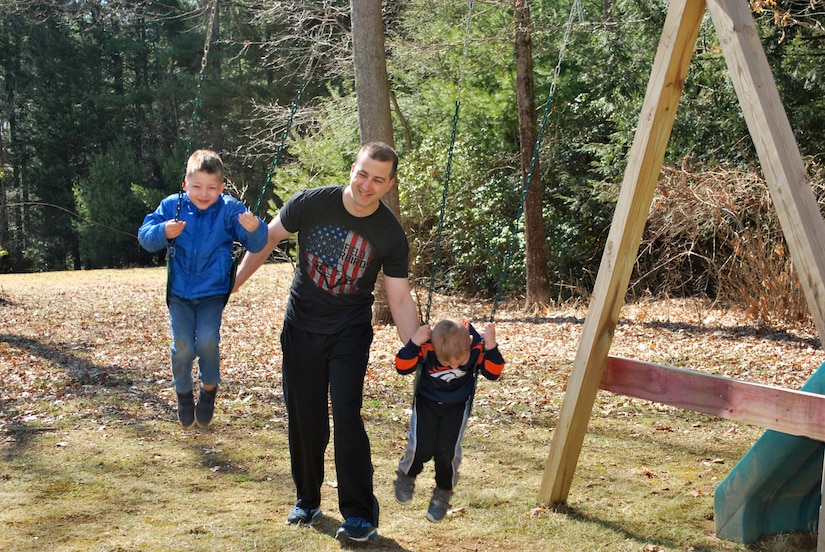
448, 358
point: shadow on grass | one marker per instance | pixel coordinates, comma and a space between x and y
724, 332
796, 542
80, 370
112, 385
329, 525
625, 534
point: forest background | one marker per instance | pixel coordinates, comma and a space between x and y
98, 110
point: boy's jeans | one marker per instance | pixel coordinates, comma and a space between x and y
196, 325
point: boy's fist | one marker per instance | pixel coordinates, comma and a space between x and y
488, 333
248, 221
422, 335
173, 228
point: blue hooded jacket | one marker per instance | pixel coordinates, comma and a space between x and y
202, 255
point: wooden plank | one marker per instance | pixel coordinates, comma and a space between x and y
652, 135
776, 146
793, 412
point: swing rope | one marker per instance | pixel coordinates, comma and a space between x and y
206, 45
448, 171
237, 253
576, 8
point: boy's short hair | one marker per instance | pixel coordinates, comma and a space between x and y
450, 339
205, 160
380, 152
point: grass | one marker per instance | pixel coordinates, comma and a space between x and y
92, 458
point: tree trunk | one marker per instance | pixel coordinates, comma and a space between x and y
538, 285
372, 90
6, 114
14, 236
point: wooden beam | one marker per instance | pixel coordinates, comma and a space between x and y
793, 412
779, 156
664, 90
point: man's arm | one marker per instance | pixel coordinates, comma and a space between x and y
253, 261
402, 307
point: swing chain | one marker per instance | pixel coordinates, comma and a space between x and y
207, 44
284, 135
575, 9
448, 170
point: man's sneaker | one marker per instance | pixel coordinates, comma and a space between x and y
186, 409
439, 504
357, 529
404, 487
303, 516
206, 407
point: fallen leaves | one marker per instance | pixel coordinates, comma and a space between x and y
538, 511
80, 334
456, 512
648, 473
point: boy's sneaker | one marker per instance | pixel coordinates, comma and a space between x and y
404, 487
439, 504
206, 407
186, 409
303, 516
357, 529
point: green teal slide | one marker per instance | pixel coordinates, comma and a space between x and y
775, 487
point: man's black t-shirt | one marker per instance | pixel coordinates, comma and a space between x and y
339, 258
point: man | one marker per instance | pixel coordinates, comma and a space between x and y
346, 236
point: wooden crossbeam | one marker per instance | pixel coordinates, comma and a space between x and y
793, 412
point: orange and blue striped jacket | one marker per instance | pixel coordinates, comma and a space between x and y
445, 384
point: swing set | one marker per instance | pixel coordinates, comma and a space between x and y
778, 486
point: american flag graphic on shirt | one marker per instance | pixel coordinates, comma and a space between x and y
337, 258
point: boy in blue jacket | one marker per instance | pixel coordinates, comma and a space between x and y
448, 358
198, 230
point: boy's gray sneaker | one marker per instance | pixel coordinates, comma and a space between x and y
186, 409
303, 516
357, 529
439, 504
404, 487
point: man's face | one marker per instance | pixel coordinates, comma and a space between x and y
369, 181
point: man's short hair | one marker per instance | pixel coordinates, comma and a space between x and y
380, 152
